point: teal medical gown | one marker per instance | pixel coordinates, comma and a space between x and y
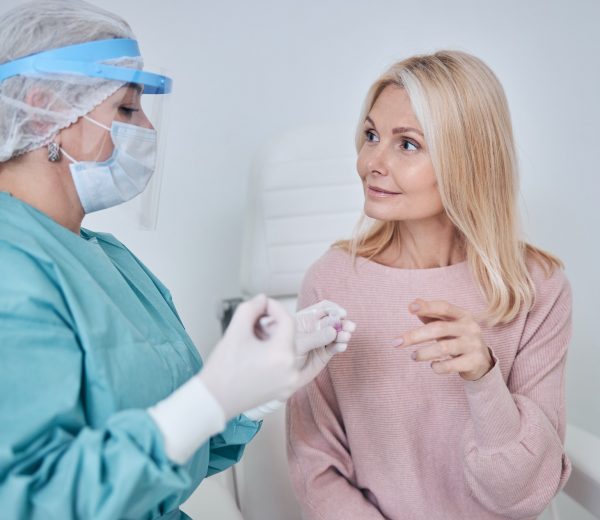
89, 339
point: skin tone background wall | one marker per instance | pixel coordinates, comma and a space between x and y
245, 71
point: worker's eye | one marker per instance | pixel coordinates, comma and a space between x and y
128, 111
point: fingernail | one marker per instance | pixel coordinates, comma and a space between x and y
413, 355
414, 307
397, 342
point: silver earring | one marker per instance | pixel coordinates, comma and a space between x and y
53, 152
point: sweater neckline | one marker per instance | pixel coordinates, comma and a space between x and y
459, 269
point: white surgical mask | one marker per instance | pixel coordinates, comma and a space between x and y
124, 175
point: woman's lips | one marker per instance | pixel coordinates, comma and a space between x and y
380, 193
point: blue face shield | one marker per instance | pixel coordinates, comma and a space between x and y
87, 59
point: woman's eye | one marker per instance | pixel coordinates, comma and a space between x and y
409, 146
371, 136
127, 111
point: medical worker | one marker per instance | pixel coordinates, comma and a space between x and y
106, 410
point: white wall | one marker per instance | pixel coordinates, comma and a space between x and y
245, 71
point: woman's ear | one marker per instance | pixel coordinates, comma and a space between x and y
38, 98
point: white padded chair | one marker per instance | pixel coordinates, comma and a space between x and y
214, 499
583, 448
304, 194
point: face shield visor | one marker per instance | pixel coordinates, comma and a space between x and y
121, 133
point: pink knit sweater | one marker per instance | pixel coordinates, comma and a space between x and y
378, 435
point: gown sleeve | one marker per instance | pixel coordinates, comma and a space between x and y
52, 463
227, 447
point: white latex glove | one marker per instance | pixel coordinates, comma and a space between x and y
244, 371
322, 331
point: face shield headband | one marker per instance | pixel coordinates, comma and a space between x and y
86, 59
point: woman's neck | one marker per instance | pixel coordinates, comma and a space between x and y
46, 186
424, 244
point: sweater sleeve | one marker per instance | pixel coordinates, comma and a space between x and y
515, 461
322, 471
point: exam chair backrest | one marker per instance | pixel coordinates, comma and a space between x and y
304, 194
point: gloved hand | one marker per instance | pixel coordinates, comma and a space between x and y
322, 331
244, 371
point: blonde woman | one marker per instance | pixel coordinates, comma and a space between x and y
449, 402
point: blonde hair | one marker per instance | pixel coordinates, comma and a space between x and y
464, 114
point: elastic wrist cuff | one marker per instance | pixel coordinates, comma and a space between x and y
187, 419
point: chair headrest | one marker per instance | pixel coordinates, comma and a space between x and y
303, 195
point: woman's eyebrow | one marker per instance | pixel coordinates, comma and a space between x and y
136, 86
404, 129
398, 130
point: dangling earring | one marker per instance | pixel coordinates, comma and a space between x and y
53, 152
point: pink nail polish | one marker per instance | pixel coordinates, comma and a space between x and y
397, 342
413, 355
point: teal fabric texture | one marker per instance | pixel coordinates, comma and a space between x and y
90, 338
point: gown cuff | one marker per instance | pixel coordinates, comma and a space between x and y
187, 418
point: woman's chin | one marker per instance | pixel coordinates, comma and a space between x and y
379, 214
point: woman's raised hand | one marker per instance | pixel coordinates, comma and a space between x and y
450, 340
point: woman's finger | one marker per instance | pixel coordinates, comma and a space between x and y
348, 326
439, 350
330, 308
343, 337
441, 310
456, 365
315, 340
436, 330
336, 348
252, 309
284, 322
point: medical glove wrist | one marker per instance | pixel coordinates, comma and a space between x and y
187, 418
259, 413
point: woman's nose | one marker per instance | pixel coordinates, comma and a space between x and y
143, 121
377, 162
